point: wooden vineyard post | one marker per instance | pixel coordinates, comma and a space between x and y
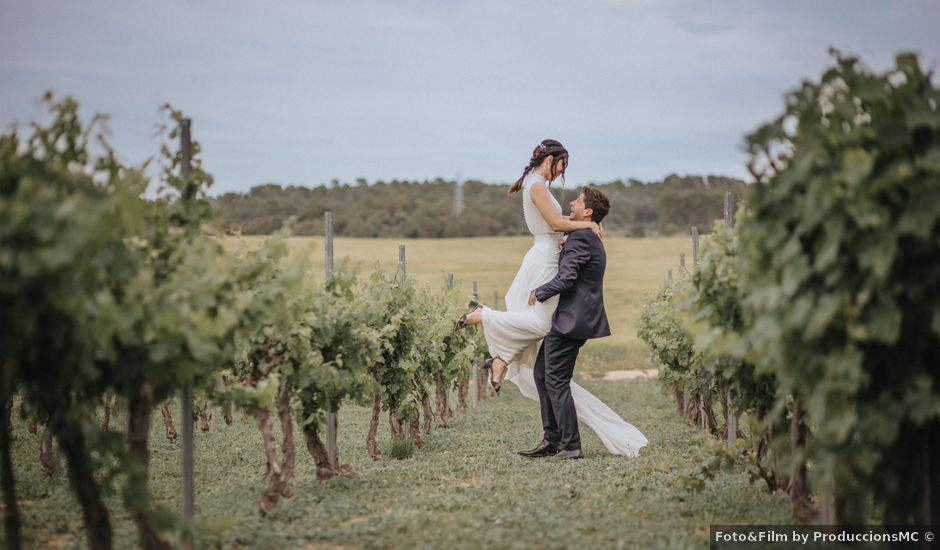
401, 264
732, 420
681, 262
189, 499
495, 299
474, 378
460, 389
402, 278
332, 422
464, 382
669, 274
701, 398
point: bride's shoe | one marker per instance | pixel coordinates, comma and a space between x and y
462, 320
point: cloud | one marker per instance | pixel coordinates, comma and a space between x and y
310, 91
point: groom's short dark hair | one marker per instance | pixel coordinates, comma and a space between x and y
597, 202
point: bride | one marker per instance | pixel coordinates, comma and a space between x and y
513, 336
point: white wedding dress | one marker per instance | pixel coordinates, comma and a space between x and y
514, 335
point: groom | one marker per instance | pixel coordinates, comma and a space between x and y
579, 317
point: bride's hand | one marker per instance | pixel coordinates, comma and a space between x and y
598, 230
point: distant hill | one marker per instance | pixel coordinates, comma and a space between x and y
425, 209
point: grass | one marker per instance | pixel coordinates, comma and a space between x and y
401, 448
465, 489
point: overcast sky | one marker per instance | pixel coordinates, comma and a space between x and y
305, 92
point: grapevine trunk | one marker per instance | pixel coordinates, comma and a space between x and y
371, 445
46, 454
11, 512
81, 477
270, 496
168, 419
317, 451
287, 447
140, 410
440, 395
462, 392
799, 484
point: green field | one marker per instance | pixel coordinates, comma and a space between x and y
635, 268
466, 488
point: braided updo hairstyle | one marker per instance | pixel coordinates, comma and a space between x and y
548, 147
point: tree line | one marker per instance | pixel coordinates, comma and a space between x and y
425, 209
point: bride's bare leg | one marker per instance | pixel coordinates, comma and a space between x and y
498, 367
498, 373
473, 317
476, 317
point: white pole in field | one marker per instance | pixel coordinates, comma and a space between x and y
458, 196
332, 422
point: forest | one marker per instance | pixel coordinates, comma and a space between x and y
426, 209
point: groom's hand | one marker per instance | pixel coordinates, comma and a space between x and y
532, 298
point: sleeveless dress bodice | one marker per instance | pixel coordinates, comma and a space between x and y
545, 238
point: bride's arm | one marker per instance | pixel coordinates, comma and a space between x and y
556, 221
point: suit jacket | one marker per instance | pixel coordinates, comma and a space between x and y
580, 282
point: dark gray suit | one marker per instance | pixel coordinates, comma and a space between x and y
579, 317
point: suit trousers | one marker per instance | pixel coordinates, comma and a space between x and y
553, 370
